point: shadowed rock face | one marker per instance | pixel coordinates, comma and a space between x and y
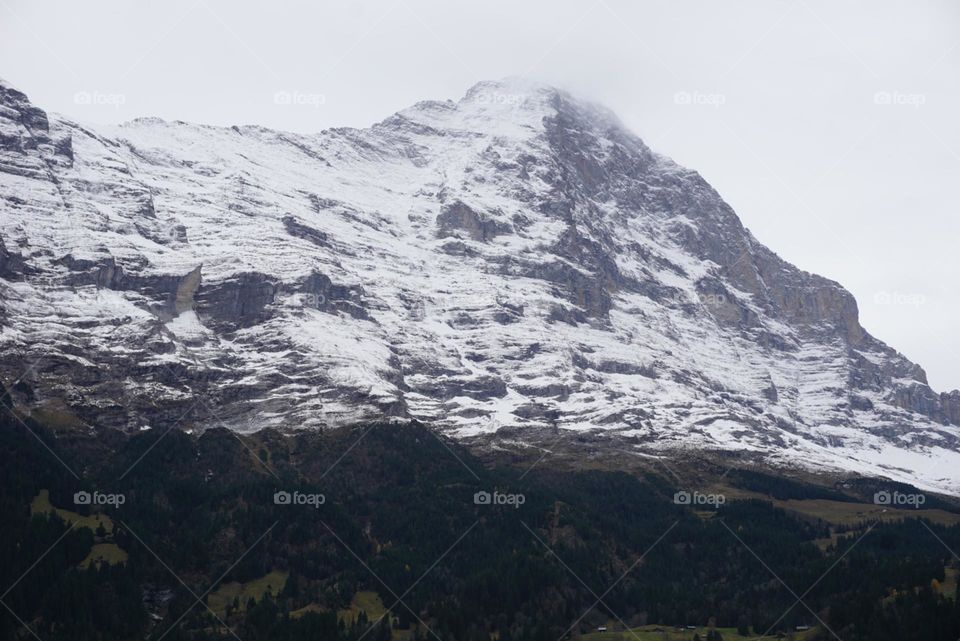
170, 294
516, 261
325, 295
237, 302
950, 402
28, 147
6, 262
457, 218
298, 229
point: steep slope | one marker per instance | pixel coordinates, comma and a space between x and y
516, 261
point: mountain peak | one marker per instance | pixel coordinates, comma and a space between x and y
517, 92
505, 266
510, 90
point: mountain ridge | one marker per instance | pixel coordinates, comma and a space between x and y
516, 260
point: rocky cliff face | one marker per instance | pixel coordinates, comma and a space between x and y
516, 261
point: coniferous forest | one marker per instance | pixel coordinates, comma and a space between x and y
399, 547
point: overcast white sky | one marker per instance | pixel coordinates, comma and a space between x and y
832, 130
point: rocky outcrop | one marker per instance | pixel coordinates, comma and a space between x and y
806, 300
237, 302
300, 230
27, 146
950, 402
170, 294
457, 218
6, 262
320, 292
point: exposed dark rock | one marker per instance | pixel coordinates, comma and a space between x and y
173, 293
481, 388
537, 411
457, 218
23, 111
507, 313
6, 262
951, 406
724, 306
319, 292
860, 403
238, 302
568, 315
319, 203
575, 133
583, 289
458, 248
608, 366
556, 391
28, 147
770, 393
301, 230
919, 398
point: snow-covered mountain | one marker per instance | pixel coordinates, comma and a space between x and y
514, 261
